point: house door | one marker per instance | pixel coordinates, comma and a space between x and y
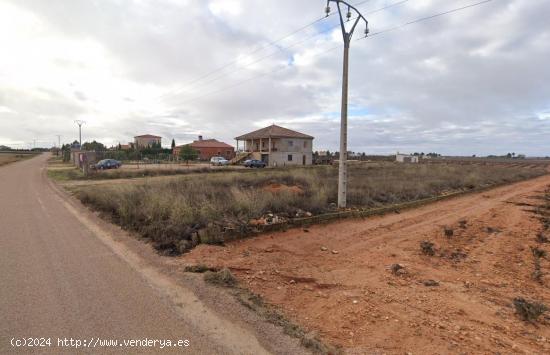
265, 159
303, 160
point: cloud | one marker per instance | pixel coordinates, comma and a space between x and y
472, 82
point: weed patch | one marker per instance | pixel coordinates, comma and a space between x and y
541, 238
427, 248
224, 278
458, 255
538, 254
529, 311
199, 269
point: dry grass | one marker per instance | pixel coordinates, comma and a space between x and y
168, 212
529, 311
7, 158
223, 277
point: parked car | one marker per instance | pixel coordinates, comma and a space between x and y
220, 161
253, 163
108, 164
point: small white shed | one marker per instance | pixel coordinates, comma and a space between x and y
404, 158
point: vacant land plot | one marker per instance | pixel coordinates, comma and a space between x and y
463, 276
9, 157
65, 171
171, 213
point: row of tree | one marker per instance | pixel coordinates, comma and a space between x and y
154, 152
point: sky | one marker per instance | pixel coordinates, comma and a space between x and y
470, 82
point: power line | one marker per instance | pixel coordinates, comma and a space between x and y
235, 61
258, 49
261, 59
269, 44
391, 29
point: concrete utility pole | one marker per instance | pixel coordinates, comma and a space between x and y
347, 35
79, 123
58, 141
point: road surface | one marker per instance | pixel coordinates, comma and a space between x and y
59, 281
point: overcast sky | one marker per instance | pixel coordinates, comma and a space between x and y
472, 82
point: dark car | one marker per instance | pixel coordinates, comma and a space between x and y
255, 164
108, 164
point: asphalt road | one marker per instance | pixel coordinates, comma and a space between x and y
58, 280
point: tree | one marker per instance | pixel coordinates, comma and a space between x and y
94, 146
188, 153
173, 143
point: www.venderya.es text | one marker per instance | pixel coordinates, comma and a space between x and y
76, 343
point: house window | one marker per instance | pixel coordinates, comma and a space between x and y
290, 157
291, 143
305, 144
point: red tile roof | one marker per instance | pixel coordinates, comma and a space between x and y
209, 143
273, 131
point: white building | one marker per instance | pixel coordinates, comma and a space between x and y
404, 158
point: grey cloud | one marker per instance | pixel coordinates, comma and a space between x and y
469, 83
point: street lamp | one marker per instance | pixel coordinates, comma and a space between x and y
79, 123
347, 35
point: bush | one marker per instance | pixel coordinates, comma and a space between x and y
427, 248
223, 277
529, 311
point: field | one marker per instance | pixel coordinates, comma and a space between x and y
9, 157
467, 275
178, 213
65, 171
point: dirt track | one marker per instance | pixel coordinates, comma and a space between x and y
348, 294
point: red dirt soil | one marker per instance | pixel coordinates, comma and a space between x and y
336, 280
278, 188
